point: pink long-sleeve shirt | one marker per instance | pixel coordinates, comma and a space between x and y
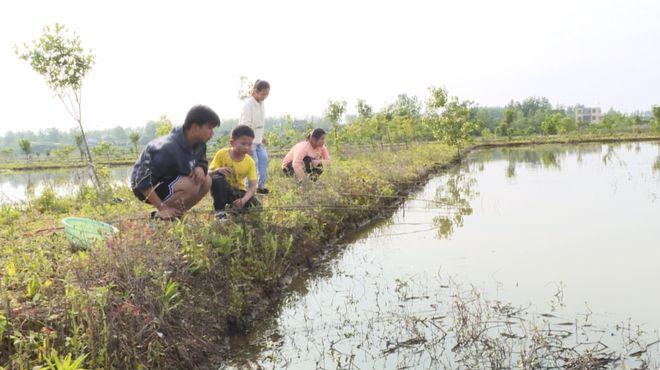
304, 149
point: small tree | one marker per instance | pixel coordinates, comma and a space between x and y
63, 151
557, 123
486, 133
333, 113
26, 148
437, 100
402, 128
361, 130
550, 126
448, 119
435, 104
455, 126
404, 105
608, 122
364, 110
377, 127
134, 137
104, 148
505, 128
656, 114
567, 125
245, 88
59, 57
163, 125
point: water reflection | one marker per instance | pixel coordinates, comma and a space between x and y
551, 156
19, 186
454, 198
575, 225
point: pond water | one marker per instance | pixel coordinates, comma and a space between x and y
570, 233
19, 186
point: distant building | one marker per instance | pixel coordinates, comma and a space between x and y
587, 115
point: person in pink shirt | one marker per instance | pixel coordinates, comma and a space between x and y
307, 157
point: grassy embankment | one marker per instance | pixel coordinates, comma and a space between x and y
163, 293
167, 294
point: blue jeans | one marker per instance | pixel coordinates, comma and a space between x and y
260, 157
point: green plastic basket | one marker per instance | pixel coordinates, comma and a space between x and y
86, 233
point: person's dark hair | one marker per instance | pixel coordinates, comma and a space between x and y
242, 130
260, 85
201, 115
316, 133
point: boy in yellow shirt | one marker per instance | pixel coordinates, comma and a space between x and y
229, 169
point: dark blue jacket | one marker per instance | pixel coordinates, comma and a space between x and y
167, 157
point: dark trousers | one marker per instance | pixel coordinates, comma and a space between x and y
313, 172
224, 194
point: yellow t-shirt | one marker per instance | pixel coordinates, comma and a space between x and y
240, 170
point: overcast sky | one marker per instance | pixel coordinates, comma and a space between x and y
162, 57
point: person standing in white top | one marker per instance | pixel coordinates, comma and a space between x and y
253, 116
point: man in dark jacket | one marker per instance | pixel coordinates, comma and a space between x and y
172, 172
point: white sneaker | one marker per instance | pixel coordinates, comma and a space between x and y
221, 216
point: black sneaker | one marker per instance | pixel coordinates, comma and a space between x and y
263, 191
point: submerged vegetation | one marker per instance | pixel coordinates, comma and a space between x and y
434, 322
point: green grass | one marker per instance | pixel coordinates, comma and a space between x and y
164, 294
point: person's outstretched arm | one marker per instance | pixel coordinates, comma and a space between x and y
252, 188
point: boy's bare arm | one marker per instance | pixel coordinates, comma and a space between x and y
252, 188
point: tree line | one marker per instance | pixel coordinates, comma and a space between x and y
407, 119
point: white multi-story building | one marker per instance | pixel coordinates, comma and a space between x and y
587, 115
